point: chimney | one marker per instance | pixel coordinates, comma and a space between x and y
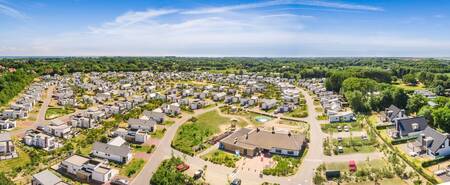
246, 136
289, 134
257, 129
273, 130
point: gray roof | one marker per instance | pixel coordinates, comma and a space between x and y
123, 150
438, 138
252, 138
405, 125
395, 110
47, 178
141, 122
151, 114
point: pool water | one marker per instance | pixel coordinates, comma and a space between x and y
262, 119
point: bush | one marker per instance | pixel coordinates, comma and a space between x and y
435, 161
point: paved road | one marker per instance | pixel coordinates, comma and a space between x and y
218, 174
163, 150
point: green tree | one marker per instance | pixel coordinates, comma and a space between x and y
416, 102
441, 118
4, 180
426, 112
409, 79
363, 85
400, 98
357, 102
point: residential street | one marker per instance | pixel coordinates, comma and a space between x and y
218, 174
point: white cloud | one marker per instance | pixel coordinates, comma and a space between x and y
9, 11
315, 3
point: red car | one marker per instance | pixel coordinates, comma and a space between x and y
352, 166
182, 167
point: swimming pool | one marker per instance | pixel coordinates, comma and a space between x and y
262, 119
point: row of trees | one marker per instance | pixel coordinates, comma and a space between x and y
13, 83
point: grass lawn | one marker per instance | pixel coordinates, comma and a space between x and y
85, 151
53, 113
285, 166
133, 167
299, 112
332, 127
19, 162
159, 133
168, 122
322, 117
393, 181
343, 166
221, 157
356, 144
318, 109
194, 134
410, 88
143, 148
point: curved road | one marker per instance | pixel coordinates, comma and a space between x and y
220, 175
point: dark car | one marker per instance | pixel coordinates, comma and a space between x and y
236, 182
198, 174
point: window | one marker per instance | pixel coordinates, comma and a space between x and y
278, 151
290, 152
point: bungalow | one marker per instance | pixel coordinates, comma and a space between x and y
426, 93
172, 109
132, 135
142, 124
46, 178
434, 143
268, 104
286, 107
250, 142
7, 124
40, 140
116, 150
409, 126
7, 149
156, 116
219, 96
86, 169
57, 128
342, 117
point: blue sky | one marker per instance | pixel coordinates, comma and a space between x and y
294, 28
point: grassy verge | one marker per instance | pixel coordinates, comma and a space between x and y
16, 163
159, 133
143, 148
53, 113
221, 157
133, 167
167, 174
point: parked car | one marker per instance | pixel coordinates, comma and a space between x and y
440, 172
339, 128
182, 167
364, 137
346, 128
352, 166
119, 182
198, 174
340, 149
339, 139
413, 154
236, 182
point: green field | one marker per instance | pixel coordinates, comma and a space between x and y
356, 144
12, 164
197, 132
343, 166
53, 113
158, 133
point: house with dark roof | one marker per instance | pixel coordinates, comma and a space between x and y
434, 143
409, 126
250, 142
391, 113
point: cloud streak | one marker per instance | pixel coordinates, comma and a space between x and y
315, 3
11, 12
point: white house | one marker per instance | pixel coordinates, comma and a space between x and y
87, 170
116, 150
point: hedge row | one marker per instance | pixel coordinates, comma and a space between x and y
435, 161
383, 126
403, 140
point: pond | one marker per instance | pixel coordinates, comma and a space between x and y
262, 119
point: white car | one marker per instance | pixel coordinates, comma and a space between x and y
413, 154
346, 128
